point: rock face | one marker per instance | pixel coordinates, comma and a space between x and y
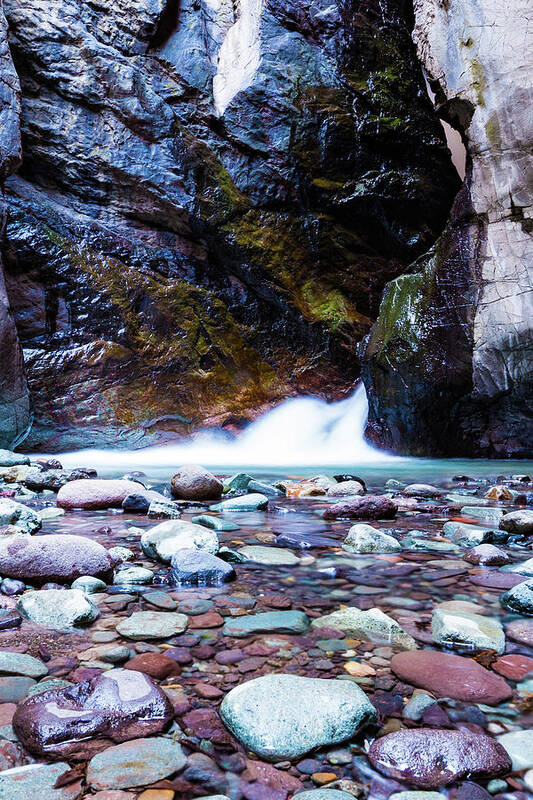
82, 719
285, 716
56, 557
449, 360
14, 398
160, 226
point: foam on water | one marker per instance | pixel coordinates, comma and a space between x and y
299, 431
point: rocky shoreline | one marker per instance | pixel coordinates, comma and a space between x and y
227, 637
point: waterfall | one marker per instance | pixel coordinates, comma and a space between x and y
238, 58
300, 431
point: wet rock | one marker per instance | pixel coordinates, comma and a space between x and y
11, 587
193, 482
162, 509
447, 675
246, 502
136, 503
519, 598
13, 513
165, 539
469, 631
135, 763
259, 487
431, 758
21, 664
514, 666
421, 490
518, 522
147, 625
89, 585
58, 609
156, 665
368, 507
491, 516
316, 712
371, 626
215, 523
79, 720
324, 794
10, 459
465, 535
521, 630
417, 705
346, 489
519, 746
96, 494
131, 574
486, 554
499, 493
416, 796
60, 558
199, 568
363, 538
269, 621
37, 781
276, 556
523, 568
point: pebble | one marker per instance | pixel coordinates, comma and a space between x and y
277, 556
135, 763
148, 625
279, 621
246, 502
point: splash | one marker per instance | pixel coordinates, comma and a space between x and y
302, 431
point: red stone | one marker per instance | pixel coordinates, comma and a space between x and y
207, 691
513, 666
209, 620
447, 675
156, 665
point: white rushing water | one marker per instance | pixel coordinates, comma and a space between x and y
239, 55
298, 432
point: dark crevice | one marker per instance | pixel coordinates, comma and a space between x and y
167, 25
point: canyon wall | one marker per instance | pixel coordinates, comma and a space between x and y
450, 361
210, 202
14, 397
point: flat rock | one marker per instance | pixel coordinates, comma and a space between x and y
321, 794
493, 579
368, 507
59, 558
193, 482
363, 538
517, 522
79, 720
162, 541
133, 574
285, 716
521, 630
13, 513
519, 746
492, 516
14, 688
10, 459
370, 626
421, 490
519, 598
513, 666
136, 763
36, 782
59, 609
523, 568
447, 675
246, 502
464, 534
215, 523
152, 625
277, 556
431, 758
95, 493
21, 664
199, 568
464, 630
269, 621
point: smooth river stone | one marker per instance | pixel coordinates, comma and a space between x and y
447, 675
283, 716
518, 522
145, 625
96, 494
514, 666
430, 758
276, 556
21, 664
519, 746
463, 630
368, 507
246, 502
58, 609
269, 621
370, 626
519, 598
521, 630
168, 537
36, 782
496, 579
193, 482
60, 558
136, 763
81, 719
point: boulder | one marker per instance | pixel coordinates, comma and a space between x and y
518, 522
422, 490
95, 493
164, 540
59, 609
370, 626
519, 598
368, 507
192, 482
13, 513
431, 758
283, 716
199, 568
346, 489
447, 675
363, 538
60, 558
139, 762
467, 631
80, 720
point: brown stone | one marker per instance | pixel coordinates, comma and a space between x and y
211, 619
156, 665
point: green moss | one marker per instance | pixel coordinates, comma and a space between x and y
479, 81
492, 129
